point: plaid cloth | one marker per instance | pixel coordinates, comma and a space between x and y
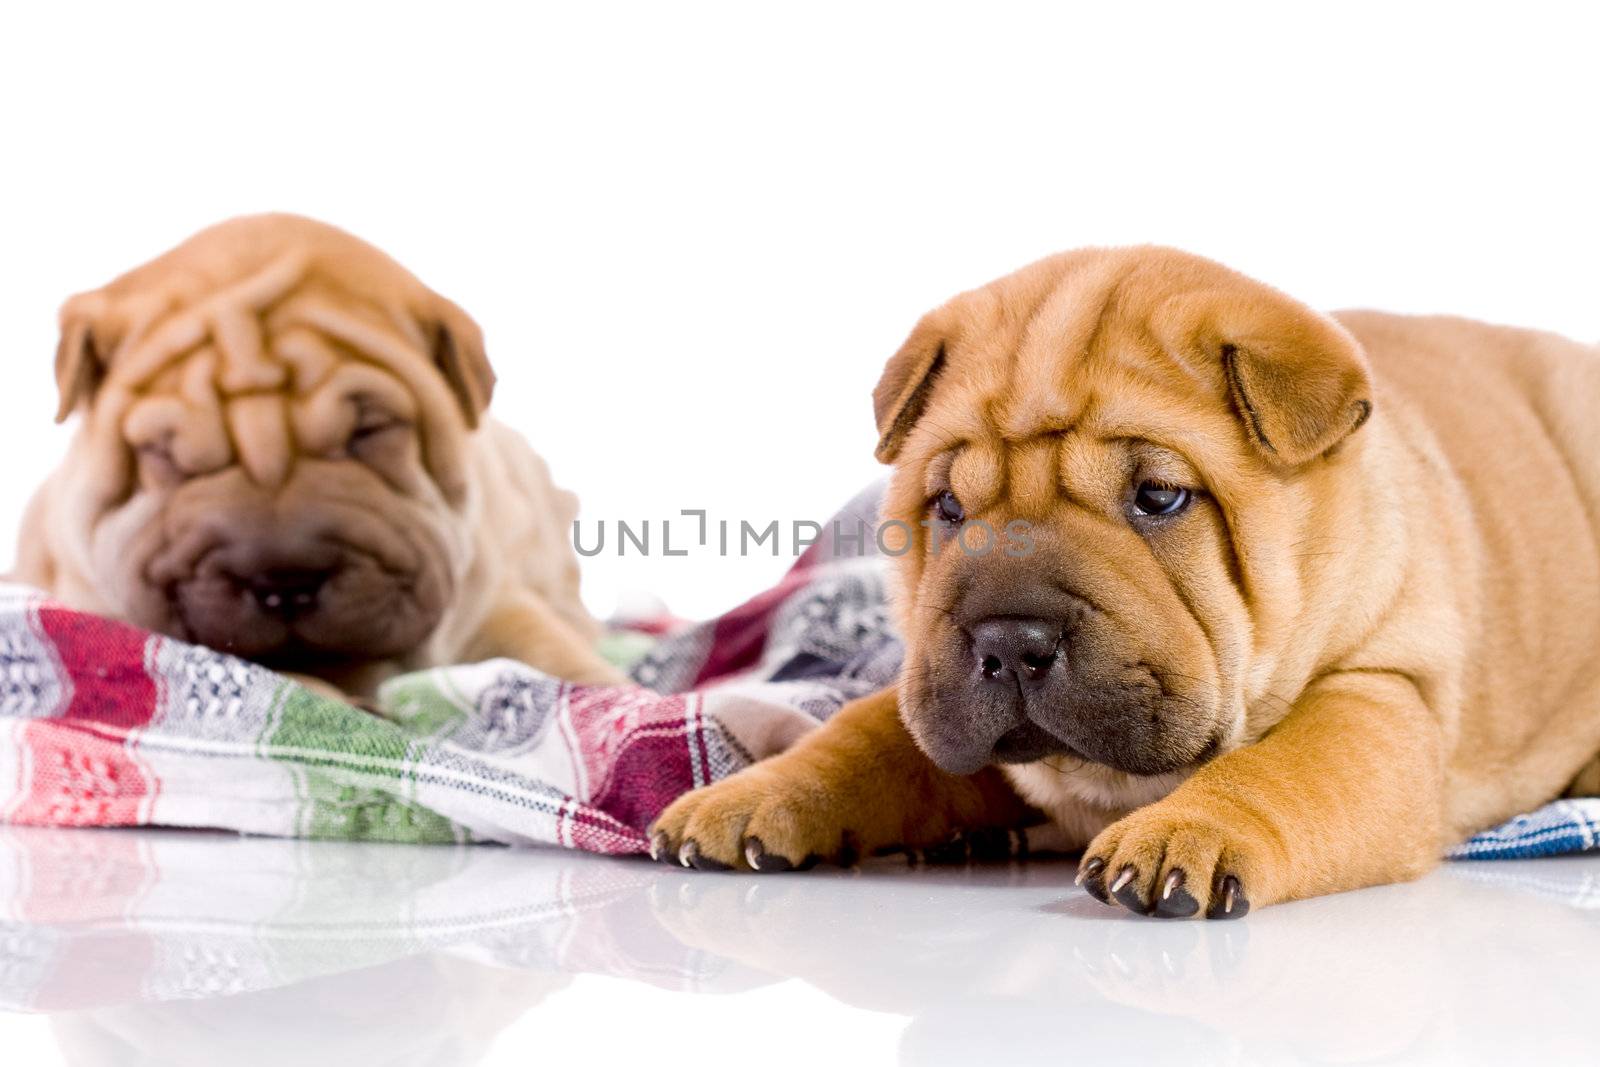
102, 724
1560, 826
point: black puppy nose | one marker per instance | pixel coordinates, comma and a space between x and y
289, 591
1004, 644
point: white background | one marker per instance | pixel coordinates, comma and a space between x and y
693, 233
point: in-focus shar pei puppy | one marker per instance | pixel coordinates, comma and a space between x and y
1295, 601
284, 454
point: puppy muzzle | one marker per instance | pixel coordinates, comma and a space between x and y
285, 602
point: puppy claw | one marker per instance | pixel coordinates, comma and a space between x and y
1090, 867
1093, 882
762, 861
658, 847
1186, 861
1229, 900
691, 856
1127, 894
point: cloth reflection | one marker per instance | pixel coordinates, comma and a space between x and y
178, 947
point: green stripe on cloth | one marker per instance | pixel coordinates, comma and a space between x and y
422, 703
356, 773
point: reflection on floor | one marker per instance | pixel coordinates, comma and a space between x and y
168, 947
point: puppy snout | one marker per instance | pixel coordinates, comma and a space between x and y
1007, 648
287, 591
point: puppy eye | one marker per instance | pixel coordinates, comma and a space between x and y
948, 508
373, 424
1153, 498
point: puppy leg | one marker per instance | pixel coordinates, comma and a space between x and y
1587, 781
525, 628
1345, 792
856, 785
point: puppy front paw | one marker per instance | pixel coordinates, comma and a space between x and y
760, 819
1174, 862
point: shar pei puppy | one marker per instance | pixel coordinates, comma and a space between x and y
1279, 603
283, 452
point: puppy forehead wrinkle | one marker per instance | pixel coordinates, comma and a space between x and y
310, 356
936, 475
238, 316
952, 422
246, 367
363, 335
1091, 471
168, 341
363, 383
258, 423
198, 385
977, 475
229, 318
1058, 341
1032, 468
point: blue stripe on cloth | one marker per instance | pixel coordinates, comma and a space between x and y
1560, 826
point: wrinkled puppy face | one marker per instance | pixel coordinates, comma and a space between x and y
272, 458
1097, 456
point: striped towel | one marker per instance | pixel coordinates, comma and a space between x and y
102, 724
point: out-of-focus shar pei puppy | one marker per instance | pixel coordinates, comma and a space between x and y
283, 453
1280, 603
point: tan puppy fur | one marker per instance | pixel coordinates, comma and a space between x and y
283, 453
1372, 628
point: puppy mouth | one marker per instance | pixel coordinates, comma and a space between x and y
1091, 704
1029, 742
297, 609
949, 734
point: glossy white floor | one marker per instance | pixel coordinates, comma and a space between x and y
178, 948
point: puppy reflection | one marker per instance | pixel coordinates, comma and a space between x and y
1024, 963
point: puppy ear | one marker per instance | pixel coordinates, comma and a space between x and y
1298, 405
458, 352
907, 383
82, 353
1298, 380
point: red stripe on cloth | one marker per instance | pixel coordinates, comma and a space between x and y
699, 739
77, 776
80, 769
593, 831
738, 637
635, 745
105, 662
